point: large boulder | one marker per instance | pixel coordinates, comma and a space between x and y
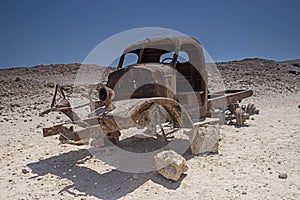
170, 164
205, 139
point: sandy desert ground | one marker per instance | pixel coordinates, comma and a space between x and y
247, 166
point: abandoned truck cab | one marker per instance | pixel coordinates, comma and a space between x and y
165, 85
170, 67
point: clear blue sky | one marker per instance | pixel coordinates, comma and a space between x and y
61, 31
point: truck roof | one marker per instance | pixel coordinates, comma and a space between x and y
165, 43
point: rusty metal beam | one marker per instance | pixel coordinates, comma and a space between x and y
228, 98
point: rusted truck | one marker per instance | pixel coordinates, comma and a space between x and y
158, 82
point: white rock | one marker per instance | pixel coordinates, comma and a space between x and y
170, 164
205, 139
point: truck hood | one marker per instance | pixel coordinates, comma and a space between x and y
154, 72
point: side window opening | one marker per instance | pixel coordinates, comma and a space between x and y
183, 57
167, 57
130, 59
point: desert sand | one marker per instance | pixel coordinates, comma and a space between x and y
247, 166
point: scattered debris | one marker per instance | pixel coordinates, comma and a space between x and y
294, 72
296, 64
25, 171
51, 85
282, 175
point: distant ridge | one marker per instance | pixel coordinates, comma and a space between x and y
77, 65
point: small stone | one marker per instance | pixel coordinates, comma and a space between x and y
135, 177
33, 107
294, 72
15, 105
244, 193
50, 85
25, 171
108, 152
282, 175
17, 79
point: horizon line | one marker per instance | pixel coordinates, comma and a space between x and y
218, 61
